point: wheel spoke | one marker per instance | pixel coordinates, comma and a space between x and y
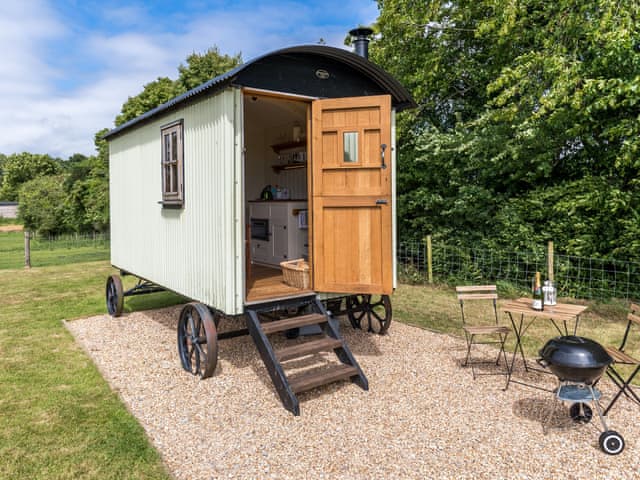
202, 355
378, 317
192, 324
198, 353
377, 304
111, 296
369, 323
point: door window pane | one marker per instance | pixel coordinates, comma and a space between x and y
350, 140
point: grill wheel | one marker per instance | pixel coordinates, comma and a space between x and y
581, 412
611, 442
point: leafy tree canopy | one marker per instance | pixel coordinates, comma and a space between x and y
3, 158
19, 168
153, 94
199, 69
42, 204
528, 121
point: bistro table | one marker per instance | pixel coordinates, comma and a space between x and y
522, 316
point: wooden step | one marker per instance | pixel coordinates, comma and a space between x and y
325, 344
314, 379
294, 322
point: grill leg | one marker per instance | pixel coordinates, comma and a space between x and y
598, 408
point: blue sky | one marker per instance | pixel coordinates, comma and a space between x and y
69, 65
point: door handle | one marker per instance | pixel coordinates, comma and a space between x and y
381, 202
383, 147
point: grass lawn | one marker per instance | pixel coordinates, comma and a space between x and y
45, 253
436, 308
60, 420
9, 221
58, 417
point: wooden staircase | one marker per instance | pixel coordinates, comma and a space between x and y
276, 360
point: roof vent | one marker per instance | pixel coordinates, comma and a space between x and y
361, 42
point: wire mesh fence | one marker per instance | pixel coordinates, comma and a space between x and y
577, 277
50, 250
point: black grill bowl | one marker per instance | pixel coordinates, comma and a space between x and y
575, 359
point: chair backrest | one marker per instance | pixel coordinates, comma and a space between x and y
488, 293
633, 318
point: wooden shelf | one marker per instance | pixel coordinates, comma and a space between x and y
278, 147
288, 166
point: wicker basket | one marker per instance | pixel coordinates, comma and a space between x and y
296, 273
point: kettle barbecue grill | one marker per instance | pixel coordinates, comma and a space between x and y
579, 363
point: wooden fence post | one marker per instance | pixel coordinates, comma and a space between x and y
429, 260
27, 249
550, 260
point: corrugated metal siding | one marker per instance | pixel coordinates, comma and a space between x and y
195, 250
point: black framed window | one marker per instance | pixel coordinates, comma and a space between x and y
172, 163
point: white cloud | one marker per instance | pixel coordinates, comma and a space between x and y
55, 103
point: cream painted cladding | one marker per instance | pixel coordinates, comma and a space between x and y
196, 250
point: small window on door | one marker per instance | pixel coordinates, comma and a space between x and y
172, 164
350, 142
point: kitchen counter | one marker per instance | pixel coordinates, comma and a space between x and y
287, 236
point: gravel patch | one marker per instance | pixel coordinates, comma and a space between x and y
423, 416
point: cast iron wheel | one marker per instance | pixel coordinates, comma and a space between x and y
197, 340
114, 295
370, 312
581, 416
611, 442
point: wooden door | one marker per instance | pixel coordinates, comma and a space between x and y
351, 192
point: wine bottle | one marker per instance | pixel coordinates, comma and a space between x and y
538, 297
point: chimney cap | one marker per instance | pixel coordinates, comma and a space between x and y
361, 32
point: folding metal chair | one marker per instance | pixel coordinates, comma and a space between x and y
482, 324
620, 357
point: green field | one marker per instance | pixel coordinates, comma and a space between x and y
46, 253
58, 417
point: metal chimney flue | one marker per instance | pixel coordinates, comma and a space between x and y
361, 42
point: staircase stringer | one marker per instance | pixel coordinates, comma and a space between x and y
278, 377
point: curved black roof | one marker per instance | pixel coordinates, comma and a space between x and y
295, 70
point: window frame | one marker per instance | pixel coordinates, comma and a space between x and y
171, 198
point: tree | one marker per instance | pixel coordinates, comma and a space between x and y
3, 159
87, 188
22, 167
102, 147
201, 68
42, 204
75, 159
527, 126
153, 94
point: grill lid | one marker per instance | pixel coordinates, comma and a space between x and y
575, 352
